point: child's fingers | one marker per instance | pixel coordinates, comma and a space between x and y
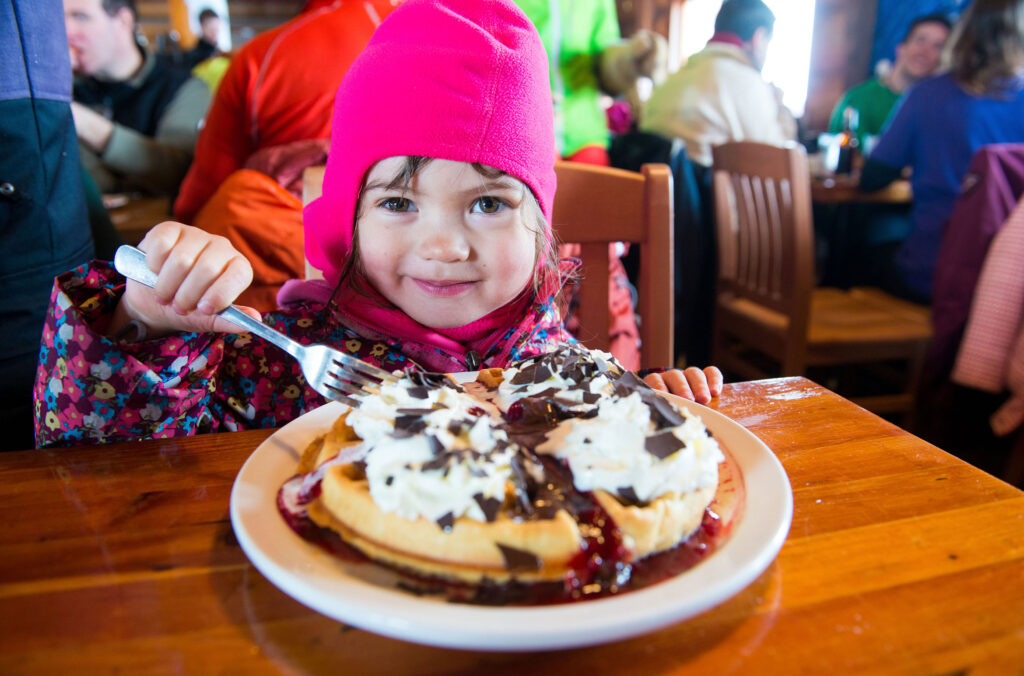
698, 384
678, 384
715, 380
656, 382
223, 286
224, 326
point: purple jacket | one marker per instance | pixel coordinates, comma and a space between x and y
991, 189
91, 389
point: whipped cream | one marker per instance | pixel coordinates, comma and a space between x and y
451, 459
609, 451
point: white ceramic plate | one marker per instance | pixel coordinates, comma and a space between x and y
364, 595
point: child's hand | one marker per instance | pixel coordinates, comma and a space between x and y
198, 275
693, 383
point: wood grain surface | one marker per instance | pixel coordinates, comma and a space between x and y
900, 559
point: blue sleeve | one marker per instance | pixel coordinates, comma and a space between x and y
896, 144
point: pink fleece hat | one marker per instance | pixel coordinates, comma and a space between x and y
462, 80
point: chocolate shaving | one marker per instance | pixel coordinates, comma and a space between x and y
525, 375
390, 480
663, 413
591, 397
541, 373
419, 392
409, 425
663, 444
440, 462
489, 506
414, 411
435, 444
628, 493
517, 560
446, 522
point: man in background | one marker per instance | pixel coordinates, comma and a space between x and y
917, 56
720, 95
206, 46
136, 117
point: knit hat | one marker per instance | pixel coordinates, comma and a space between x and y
461, 80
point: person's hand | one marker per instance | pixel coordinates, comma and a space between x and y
695, 384
93, 129
198, 275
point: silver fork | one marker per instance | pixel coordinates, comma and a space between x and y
330, 372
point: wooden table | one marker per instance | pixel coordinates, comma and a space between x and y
134, 216
901, 559
844, 190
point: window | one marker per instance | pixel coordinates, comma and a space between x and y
789, 53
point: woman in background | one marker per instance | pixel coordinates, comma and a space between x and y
937, 128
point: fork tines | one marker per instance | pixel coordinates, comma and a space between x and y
361, 372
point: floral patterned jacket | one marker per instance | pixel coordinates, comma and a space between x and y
92, 389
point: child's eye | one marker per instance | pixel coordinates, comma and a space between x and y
396, 204
488, 205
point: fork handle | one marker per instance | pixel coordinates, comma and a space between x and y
131, 263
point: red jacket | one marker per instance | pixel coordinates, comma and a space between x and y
279, 89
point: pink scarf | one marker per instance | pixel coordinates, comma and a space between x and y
491, 337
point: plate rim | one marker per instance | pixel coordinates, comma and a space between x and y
300, 571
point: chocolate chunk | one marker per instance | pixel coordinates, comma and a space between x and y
435, 444
518, 559
663, 413
414, 411
390, 480
541, 373
525, 375
628, 493
591, 397
489, 506
409, 425
446, 522
419, 392
440, 462
663, 444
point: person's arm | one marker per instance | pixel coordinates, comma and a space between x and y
875, 175
159, 163
224, 143
895, 147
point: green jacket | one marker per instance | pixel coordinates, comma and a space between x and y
574, 37
873, 102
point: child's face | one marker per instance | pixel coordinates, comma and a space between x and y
449, 248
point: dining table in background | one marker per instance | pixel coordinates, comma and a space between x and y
134, 215
842, 189
900, 559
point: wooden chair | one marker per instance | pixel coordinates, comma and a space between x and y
593, 207
767, 307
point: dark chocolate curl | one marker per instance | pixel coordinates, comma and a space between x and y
489, 506
446, 522
663, 444
518, 560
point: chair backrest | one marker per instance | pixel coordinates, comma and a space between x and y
595, 206
765, 232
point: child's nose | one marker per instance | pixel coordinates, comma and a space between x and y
444, 242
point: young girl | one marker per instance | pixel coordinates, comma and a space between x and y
432, 233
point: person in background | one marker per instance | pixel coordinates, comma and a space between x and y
917, 56
433, 232
44, 229
719, 95
937, 127
270, 119
136, 116
587, 60
206, 45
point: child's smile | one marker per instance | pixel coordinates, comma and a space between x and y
450, 247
